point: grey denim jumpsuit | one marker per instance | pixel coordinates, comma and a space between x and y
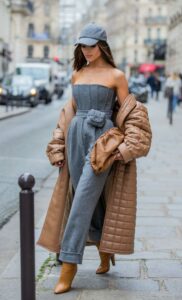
95, 104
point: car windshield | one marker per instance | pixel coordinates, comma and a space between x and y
22, 81
36, 73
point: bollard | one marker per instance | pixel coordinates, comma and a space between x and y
27, 249
171, 110
7, 103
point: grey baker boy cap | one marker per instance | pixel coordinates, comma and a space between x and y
91, 34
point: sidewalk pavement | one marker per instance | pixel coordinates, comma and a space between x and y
154, 271
12, 111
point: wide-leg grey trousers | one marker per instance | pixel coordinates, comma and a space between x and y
87, 194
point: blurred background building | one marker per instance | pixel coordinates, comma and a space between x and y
139, 31
174, 53
5, 35
29, 31
20, 10
42, 31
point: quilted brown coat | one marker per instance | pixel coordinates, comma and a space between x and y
120, 189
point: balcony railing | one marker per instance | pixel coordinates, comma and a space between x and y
23, 6
43, 37
39, 36
152, 42
158, 20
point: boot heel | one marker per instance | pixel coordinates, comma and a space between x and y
113, 260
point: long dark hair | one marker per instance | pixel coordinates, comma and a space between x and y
80, 61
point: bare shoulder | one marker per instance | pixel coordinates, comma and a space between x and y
74, 76
119, 77
121, 85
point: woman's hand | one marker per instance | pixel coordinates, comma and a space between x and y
118, 155
59, 164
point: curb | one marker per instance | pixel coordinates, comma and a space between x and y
14, 114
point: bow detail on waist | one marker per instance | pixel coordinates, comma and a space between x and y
96, 118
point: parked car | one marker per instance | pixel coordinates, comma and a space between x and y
63, 77
19, 90
41, 73
58, 87
139, 87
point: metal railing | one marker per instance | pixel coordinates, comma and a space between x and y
157, 20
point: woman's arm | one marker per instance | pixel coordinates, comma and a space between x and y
122, 92
137, 130
121, 86
137, 134
56, 147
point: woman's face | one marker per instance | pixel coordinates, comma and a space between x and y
91, 53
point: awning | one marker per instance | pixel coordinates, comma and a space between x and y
147, 68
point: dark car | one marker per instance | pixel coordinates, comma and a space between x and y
138, 87
18, 90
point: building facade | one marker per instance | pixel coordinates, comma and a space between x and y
174, 42
42, 31
137, 30
96, 12
20, 10
5, 36
29, 31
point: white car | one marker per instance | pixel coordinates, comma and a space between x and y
41, 73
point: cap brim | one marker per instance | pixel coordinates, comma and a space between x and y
86, 41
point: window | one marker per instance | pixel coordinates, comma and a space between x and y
148, 54
47, 30
31, 30
136, 56
136, 37
46, 52
30, 51
136, 14
149, 33
158, 33
47, 7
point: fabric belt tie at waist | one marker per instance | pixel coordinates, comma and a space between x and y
95, 117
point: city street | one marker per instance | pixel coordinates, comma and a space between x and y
22, 149
154, 271
104, 47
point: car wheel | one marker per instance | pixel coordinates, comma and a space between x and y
33, 104
47, 100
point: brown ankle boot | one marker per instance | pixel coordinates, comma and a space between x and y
68, 271
105, 262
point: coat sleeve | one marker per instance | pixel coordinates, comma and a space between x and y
55, 148
137, 134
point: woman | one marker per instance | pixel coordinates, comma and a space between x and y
81, 205
174, 83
